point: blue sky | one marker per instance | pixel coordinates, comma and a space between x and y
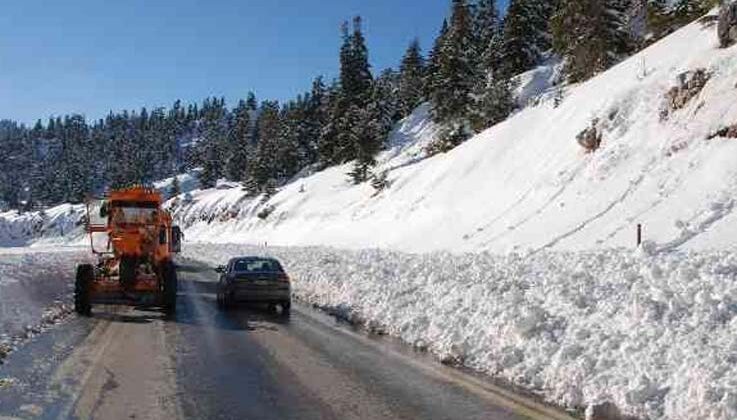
91, 56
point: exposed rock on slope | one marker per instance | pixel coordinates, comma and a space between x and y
727, 28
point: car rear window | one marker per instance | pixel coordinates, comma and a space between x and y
257, 266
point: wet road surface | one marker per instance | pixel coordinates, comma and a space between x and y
244, 364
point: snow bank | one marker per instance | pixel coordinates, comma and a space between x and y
58, 225
36, 289
652, 333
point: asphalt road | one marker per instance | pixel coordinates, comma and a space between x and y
247, 364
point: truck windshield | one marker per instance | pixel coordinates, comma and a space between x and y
133, 212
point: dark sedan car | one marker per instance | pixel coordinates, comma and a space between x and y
254, 280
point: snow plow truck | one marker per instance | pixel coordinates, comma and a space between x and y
135, 260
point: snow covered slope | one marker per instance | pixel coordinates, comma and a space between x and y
314, 203
526, 183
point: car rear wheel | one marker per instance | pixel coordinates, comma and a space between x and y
226, 303
222, 301
286, 307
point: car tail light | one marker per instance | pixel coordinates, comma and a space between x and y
283, 278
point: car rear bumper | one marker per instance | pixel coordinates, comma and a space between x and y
256, 294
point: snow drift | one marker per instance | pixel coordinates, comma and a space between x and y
58, 225
652, 333
35, 290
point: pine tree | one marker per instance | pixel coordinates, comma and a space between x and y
665, 16
366, 135
494, 101
289, 150
316, 115
659, 22
685, 11
369, 126
262, 166
492, 95
12, 164
433, 62
591, 35
327, 144
411, 84
526, 35
214, 127
338, 143
456, 76
175, 188
251, 102
487, 24
76, 167
239, 143
355, 70
385, 96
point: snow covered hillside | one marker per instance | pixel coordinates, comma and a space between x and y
306, 205
526, 183
523, 184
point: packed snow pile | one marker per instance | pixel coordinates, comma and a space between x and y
35, 290
652, 333
58, 225
527, 183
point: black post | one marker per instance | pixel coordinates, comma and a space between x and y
639, 235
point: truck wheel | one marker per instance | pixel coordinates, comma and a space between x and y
85, 276
170, 289
128, 267
227, 302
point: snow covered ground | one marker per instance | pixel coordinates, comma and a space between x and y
36, 286
652, 333
510, 253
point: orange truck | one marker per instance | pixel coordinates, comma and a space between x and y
135, 266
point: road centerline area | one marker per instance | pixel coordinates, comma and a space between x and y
245, 363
